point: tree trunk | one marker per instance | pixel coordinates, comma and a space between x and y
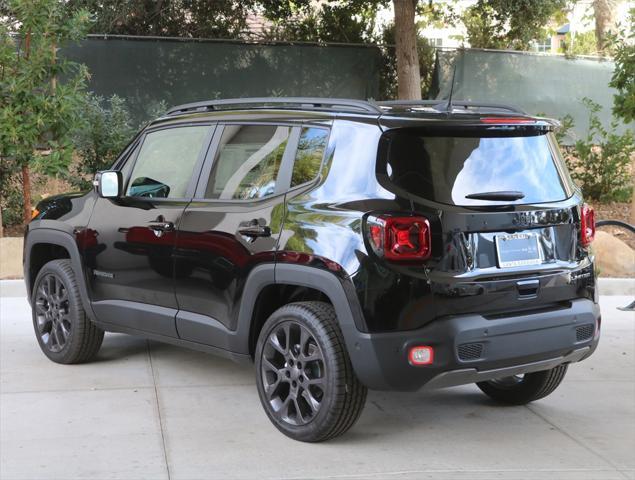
605, 12
53, 78
26, 190
1, 226
633, 197
408, 77
26, 179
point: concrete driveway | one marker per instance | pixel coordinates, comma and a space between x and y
147, 410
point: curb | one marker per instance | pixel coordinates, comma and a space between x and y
607, 286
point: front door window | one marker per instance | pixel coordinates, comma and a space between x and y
166, 162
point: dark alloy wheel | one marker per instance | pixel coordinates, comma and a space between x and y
62, 328
305, 379
52, 312
293, 373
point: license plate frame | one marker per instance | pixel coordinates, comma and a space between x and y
522, 254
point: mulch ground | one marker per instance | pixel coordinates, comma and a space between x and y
14, 231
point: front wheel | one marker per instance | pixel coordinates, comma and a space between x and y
305, 379
62, 328
522, 389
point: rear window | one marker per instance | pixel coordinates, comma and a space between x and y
446, 169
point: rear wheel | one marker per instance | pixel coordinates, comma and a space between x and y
305, 379
63, 330
522, 389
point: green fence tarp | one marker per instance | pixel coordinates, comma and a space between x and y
146, 71
537, 83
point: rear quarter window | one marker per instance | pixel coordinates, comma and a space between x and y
446, 168
308, 158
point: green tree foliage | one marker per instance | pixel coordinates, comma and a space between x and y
624, 75
582, 43
347, 21
105, 129
37, 111
599, 163
169, 18
508, 24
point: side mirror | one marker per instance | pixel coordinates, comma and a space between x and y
108, 183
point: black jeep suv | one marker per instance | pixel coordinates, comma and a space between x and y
338, 244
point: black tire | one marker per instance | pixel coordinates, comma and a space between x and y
525, 389
319, 399
62, 328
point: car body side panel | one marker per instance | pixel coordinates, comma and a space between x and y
327, 234
213, 260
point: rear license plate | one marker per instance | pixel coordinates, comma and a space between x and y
517, 249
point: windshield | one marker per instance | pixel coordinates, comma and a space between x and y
464, 170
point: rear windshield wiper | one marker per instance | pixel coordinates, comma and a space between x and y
503, 195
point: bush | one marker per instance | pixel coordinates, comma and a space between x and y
600, 162
11, 201
623, 79
104, 131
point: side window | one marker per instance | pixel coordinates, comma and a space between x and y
166, 161
308, 158
247, 162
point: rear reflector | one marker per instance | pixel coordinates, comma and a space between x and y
587, 225
399, 238
421, 355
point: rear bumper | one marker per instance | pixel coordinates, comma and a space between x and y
473, 348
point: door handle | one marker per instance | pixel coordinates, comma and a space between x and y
160, 225
254, 229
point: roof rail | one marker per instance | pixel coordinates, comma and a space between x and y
297, 103
442, 104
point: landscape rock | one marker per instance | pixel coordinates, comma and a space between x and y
614, 258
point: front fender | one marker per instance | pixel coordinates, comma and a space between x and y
66, 240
